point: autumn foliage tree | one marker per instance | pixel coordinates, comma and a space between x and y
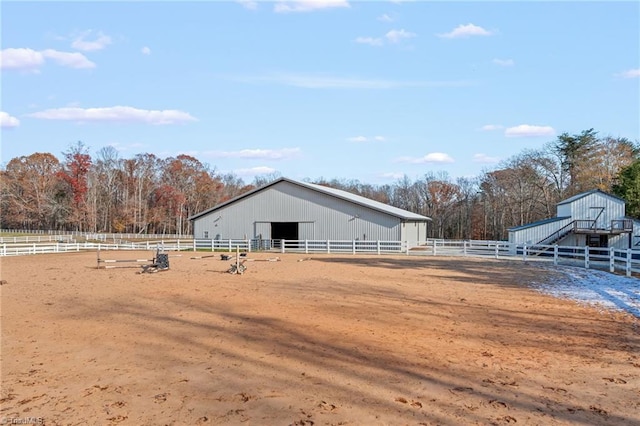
75, 173
32, 194
149, 194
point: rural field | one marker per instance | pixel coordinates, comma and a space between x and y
308, 340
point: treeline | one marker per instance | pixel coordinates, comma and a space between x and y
148, 194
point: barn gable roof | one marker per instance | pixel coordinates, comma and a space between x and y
337, 193
593, 191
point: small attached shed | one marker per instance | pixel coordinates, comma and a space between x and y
594, 218
292, 210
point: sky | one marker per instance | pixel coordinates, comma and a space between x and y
351, 90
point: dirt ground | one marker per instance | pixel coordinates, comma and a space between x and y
307, 340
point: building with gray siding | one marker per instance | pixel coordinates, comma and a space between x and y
593, 218
293, 210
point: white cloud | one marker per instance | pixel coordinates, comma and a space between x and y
434, 157
30, 60
462, 31
634, 73
115, 114
504, 62
385, 18
329, 82
395, 36
248, 4
379, 138
254, 171
260, 154
145, 50
100, 42
485, 159
369, 40
7, 121
67, 59
287, 6
490, 127
20, 59
392, 175
527, 130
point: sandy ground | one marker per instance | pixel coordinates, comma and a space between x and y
307, 340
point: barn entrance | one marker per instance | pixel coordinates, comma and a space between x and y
283, 231
598, 241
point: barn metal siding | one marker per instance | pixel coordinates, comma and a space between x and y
414, 231
593, 205
535, 234
620, 242
573, 240
581, 208
623, 241
320, 216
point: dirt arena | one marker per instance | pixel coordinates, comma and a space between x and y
307, 340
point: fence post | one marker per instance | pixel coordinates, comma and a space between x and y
328, 246
435, 243
306, 246
378, 246
524, 253
628, 268
282, 246
498, 250
229, 244
612, 259
555, 254
586, 257
464, 248
353, 246
407, 247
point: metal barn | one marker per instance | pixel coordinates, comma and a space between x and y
291, 210
593, 218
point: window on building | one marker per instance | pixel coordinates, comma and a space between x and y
206, 234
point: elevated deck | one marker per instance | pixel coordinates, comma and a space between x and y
616, 227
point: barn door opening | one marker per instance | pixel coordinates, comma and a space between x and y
598, 241
283, 231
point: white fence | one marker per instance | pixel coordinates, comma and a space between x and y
614, 260
37, 239
9, 249
99, 236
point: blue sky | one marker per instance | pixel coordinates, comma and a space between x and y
308, 89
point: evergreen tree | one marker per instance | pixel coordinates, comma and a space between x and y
628, 188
